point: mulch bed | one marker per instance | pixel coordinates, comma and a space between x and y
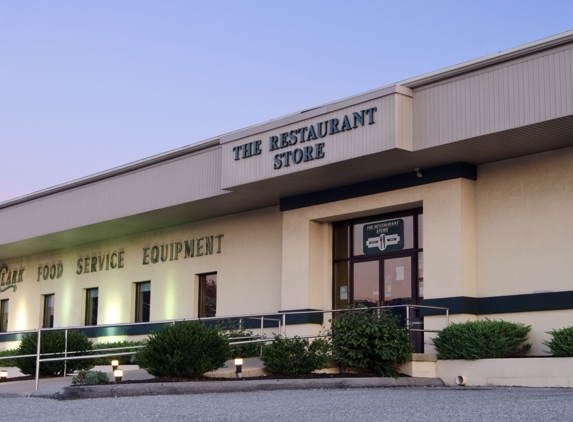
208, 379
267, 377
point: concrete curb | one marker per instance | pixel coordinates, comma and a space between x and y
156, 389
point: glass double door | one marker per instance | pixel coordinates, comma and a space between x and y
386, 282
383, 281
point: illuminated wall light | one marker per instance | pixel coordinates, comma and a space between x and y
169, 308
22, 320
239, 367
64, 313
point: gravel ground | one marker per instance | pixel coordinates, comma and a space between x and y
396, 404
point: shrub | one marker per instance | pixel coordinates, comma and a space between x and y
123, 360
184, 349
561, 344
370, 341
235, 329
8, 362
485, 339
90, 378
53, 342
295, 356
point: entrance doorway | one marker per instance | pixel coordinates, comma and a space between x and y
379, 262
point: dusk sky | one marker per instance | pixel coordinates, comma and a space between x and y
86, 86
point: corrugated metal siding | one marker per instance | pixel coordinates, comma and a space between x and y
170, 183
519, 94
365, 140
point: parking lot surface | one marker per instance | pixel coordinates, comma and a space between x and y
377, 404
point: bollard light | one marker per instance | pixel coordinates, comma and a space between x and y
114, 364
3, 376
239, 367
118, 374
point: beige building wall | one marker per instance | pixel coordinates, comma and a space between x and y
248, 274
507, 233
523, 238
525, 224
449, 241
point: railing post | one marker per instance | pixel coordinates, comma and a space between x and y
39, 342
262, 326
65, 351
284, 325
447, 317
408, 316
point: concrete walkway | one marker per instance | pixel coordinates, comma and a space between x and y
26, 388
60, 388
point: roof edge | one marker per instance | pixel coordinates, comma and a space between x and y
411, 83
490, 60
106, 174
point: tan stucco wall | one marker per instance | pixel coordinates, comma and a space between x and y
525, 229
248, 271
449, 246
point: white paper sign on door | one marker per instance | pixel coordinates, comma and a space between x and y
399, 273
343, 293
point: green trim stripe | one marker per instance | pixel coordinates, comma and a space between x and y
252, 324
385, 184
534, 302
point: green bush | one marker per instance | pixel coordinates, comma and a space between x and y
235, 329
184, 349
485, 339
561, 344
296, 355
123, 360
370, 341
90, 378
53, 342
8, 363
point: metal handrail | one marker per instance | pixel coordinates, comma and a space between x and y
217, 318
254, 339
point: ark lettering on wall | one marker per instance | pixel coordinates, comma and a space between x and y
9, 277
193, 248
105, 262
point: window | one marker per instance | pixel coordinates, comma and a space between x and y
142, 301
91, 306
207, 295
4, 316
48, 320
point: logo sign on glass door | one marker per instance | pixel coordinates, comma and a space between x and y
385, 236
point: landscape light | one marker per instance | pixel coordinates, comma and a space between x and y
3, 376
118, 374
114, 364
239, 367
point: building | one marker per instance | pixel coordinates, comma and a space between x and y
450, 189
